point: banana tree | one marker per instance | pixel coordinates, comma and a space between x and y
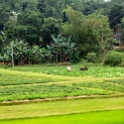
14, 44
69, 49
50, 53
58, 44
33, 54
21, 52
35, 50
3, 39
64, 47
4, 58
29, 54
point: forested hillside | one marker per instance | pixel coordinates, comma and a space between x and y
35, 31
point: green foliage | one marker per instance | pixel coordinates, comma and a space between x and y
31, 83
91, 57
122, 26
31, 23
64, 47
106, 85
94, 70
116, 14
8, 80
34, 21
20, 53
44, 91
4, 14
49, 27
89, 32
91, 6
113, 58
3, 40
76, 57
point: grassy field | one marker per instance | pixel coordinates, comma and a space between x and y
94, 71
34, 82
104, 117
59, 107
42, 91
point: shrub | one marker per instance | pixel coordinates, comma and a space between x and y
91, 57
122, 62
113, 58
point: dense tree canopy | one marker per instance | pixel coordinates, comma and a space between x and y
89, 23
116, 14
4, 15
89, 32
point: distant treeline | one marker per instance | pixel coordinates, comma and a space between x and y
63, 30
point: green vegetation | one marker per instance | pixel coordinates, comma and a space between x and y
91, 57
41, 108
93, 70
11, 79
43, 31
31, 82
48, 91
104, 117
61, 32
36, 93
113, 58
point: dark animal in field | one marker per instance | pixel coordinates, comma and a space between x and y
83, 68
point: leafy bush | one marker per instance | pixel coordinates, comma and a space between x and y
113, 58
91, 57
122, 62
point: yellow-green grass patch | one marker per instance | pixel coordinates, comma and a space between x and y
59, 107
104, 117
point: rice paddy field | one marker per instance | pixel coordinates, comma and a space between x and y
50, 94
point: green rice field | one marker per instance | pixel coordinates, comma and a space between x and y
104, 117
